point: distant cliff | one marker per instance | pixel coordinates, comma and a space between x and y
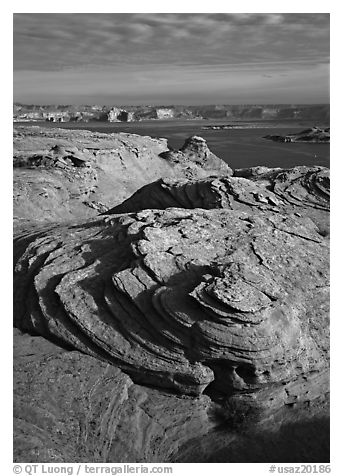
319, 113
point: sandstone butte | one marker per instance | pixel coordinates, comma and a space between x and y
166, 307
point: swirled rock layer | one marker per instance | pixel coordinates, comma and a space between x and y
185, 299
300, 186
286, 190
187, 324
71, 407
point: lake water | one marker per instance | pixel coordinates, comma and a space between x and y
238, 147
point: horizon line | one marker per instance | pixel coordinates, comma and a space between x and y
180, 104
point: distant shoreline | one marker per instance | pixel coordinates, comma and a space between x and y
206, 124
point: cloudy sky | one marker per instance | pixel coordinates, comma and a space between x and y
143, 58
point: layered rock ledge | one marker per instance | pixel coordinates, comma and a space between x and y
304, 190
170, 326
169, 295
63, 174
314, 134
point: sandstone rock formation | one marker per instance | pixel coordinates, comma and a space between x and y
71, 407
194, 154
165, 329
165, 113
301, 190
169, 295
119, 115
314, 134
62, 174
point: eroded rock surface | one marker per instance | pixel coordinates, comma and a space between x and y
188, 317
63, 174
301, 190
301, 186
71, 407
183, 298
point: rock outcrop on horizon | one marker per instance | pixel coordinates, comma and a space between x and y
314, 134
180, 325
320, 113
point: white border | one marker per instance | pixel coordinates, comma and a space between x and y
336, 83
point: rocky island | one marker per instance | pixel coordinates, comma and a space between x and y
314, 134
166, 307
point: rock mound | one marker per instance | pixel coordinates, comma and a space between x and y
80, 409
182, 299
194, 154
213, 192
303, 191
